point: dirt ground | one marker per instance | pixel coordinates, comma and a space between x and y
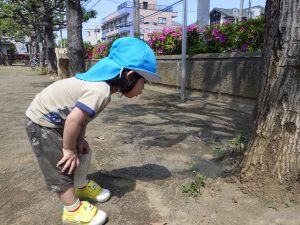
142, 151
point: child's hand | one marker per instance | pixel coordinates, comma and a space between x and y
69, 161
82, 146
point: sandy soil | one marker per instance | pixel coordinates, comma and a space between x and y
142, 150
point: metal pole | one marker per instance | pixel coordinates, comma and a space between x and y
241, 9
183, 54
136, 18
249, 10
61, 39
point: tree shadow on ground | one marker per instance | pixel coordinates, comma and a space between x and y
123, 180
171, 122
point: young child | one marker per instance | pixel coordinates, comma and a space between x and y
58, 116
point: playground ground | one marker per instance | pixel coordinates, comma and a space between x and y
143, 149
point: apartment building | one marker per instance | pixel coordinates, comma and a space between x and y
8, 43
120, 22
95, 34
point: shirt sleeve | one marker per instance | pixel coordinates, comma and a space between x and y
94, 98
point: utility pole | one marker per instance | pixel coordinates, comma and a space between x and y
203, 13
241, 9
183, 54
249, 10
136, 18
61, 39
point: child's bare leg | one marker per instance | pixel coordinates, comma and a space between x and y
68, 197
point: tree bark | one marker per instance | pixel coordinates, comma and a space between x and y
74, 35
50, 52
272, 162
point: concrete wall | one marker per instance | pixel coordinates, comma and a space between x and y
235, 74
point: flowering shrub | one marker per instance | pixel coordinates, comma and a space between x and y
87, 50
243, 36
168, 41
101, 50
227, 37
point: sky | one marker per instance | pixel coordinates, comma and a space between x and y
106, 7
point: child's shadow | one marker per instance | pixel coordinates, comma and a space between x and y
121, 181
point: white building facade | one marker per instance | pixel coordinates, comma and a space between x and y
95, 34
153, 18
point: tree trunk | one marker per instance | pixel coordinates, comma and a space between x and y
50, 52
40, 49
0, 43
74, 35
272, 162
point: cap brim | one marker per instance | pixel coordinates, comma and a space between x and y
150, 77
103, 70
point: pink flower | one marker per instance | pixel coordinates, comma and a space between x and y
215, 32
161, 37
99, 50
160, 51
221, 38
150, 42
226, 22
174, 34
192, 27
166, 31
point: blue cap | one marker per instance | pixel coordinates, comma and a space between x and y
130, 53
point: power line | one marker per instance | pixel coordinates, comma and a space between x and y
162, 10
94, 4
151, 15
86, 3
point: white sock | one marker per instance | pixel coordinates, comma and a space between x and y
74, 206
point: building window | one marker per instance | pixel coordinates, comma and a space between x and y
145, 5
215, 18
142, 19
162, 20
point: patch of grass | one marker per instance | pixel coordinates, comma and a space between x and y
273, 206
44, 70
217, 149
238, 141
193, 189
287, 204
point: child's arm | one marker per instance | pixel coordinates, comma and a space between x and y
72, 131
82, 145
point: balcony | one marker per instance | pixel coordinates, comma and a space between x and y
125, 5
146, 6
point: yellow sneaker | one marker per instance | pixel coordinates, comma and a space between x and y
87, 214
93, 191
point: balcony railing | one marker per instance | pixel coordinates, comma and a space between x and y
147, 7
117, 26
125, 5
